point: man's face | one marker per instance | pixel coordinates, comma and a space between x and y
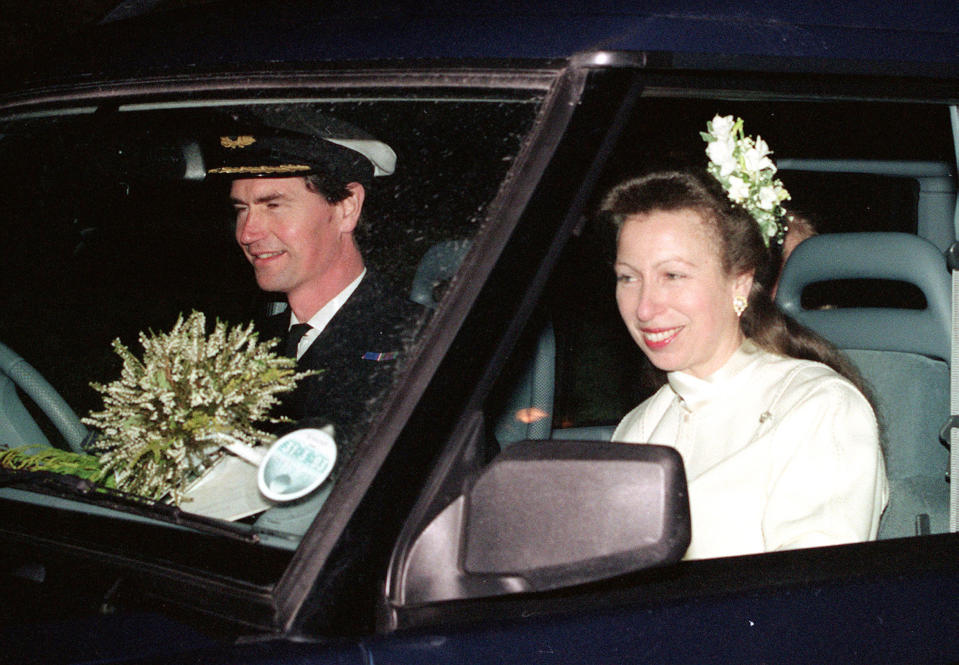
290, 234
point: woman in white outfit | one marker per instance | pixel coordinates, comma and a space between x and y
780, 445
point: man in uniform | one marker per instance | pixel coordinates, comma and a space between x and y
298, 196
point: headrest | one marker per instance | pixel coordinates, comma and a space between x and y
888, 256
438, 265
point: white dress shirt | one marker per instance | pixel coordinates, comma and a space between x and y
779, 453
322, 318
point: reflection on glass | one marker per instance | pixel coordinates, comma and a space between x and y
111, 229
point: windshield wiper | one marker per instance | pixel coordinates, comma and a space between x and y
85, 491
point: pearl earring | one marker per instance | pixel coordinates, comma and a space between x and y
740, 304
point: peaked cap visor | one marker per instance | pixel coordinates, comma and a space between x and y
334, 149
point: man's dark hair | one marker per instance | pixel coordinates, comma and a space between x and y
333, 190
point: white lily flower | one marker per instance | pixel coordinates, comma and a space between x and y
723, 154
738, 189
756, 158
768, 197
722, 127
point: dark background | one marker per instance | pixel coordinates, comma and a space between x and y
26, 25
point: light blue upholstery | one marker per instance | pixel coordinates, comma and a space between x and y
17, 426
585, 433
935, 181
890, 256
903, 354
438, 265
529, 412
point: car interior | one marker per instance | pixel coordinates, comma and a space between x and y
575, 371
881, 293
902, 353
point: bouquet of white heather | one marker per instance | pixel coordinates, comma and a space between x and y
160, 419
743, 167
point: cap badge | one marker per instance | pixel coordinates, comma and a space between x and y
232, 143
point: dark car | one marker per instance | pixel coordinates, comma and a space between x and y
478, 512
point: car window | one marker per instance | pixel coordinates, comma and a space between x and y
114, 231
862, 183
574, 372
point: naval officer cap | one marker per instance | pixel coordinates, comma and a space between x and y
299, 145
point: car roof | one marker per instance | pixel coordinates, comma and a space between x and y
147, 35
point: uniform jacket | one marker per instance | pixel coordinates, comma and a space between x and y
357, 355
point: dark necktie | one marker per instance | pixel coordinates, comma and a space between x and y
293, 338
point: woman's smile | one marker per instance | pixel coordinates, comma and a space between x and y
657, 338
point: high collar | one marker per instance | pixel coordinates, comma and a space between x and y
694, 393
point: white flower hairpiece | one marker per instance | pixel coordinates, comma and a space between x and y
743, 167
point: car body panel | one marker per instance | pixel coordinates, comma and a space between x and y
891, 601
890, 35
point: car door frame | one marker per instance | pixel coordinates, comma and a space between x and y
883, 568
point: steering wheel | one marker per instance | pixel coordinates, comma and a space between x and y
17, 426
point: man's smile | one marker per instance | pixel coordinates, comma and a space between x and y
264, 256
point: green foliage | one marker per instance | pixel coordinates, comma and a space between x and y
162, 416
54, 460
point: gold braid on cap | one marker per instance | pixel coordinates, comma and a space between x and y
232, 143
281, 168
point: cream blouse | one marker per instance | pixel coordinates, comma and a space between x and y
779, 453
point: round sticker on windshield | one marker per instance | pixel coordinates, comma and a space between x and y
296, 464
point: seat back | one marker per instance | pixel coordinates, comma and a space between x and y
903, 354
528, 413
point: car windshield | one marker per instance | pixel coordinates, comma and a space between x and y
115, 232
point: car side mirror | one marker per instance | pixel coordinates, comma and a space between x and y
551, 514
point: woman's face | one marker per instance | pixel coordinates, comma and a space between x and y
673, 294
